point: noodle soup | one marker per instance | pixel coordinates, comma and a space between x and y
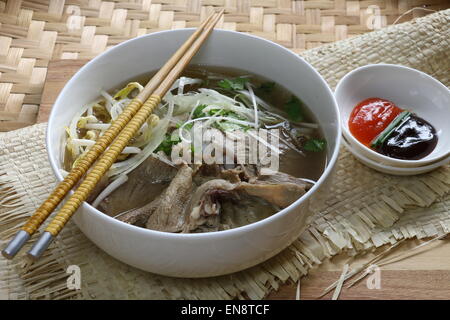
171, 194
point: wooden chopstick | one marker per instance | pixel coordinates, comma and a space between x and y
82, 166
110, 155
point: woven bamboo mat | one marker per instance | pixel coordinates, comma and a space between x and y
36, 31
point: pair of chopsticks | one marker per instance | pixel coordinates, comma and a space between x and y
107, 148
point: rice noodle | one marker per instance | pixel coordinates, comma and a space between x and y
186, 81
181, 85
255, 106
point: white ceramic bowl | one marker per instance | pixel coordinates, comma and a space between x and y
398, 171
207, 254
407, 88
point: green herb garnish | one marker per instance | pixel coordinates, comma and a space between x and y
167, 144
233, 84
223, 125
294, 109
315, 145
383, 135
226, 125
198, 112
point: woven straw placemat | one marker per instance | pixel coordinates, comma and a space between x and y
34, 32
363, 210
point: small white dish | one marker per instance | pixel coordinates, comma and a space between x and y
409, 89
398, 171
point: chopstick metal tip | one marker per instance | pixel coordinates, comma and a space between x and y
16, 244
40, 246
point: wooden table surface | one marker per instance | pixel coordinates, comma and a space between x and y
426, 275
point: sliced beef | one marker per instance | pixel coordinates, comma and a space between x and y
247, 210
139, 216
166, 211
204, 209
280, 189
280, 177
144, 184
169, 214
214, 197
267, 194
280, 195
238, 173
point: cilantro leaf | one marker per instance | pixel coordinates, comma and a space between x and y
227, 126
233, 84
223, 125
198, 112
315, 145
294, 109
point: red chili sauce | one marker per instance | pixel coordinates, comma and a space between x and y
370, 117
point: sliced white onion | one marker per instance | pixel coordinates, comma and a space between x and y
241, 122
97, 126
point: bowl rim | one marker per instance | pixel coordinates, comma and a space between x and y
393, 161
217, 234
428, 167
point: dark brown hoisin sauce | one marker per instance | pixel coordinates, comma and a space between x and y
414, 139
